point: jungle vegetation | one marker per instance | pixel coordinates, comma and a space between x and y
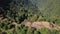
20, 11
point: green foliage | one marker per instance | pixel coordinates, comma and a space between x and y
20, 11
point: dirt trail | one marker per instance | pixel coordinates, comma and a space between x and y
36, 25
42, 24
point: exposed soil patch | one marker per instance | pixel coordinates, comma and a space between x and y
42, 24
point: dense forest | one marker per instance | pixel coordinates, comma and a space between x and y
14, 13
